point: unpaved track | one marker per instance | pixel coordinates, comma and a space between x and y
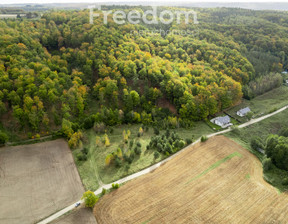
79, 216
36, 181
233, 192
155, 166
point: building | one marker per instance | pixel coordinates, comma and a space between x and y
243, 112
223, 122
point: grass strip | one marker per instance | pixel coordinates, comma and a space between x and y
215, 165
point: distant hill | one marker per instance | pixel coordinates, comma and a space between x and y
283, 6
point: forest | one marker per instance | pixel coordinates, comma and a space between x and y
60, 74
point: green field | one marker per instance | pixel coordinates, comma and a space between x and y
263, 104
94, 171
263, 129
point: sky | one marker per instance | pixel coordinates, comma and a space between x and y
135, 1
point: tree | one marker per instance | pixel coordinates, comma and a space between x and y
67, 128
141, 131
75, 139
106, 140
90, 199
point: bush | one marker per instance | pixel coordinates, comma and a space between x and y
156, 155
138, 150
115, 186
85, 151
3, 138
285, 181
189, 141
118, 162
267, 164
131, 157
204, 138
139, 144
127, 167
82, 157
256, 144
181, 144
131, 143
103, 191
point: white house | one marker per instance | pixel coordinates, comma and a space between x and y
223, 122
243, 112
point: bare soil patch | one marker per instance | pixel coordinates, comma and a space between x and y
36, 181
214, 182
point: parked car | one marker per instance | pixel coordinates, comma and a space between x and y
77, 204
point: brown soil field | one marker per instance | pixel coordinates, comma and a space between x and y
213, 182
78, 216
36, 181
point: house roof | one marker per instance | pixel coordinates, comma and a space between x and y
244, 110
224, 120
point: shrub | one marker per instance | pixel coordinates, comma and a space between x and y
138, 150
256, 143
108, 159
127, 167
82, 157
156, 155
106, 141
141, 131
3, 138
103, 191
115, 186
131, 157
204, 138
267, 164
118, 162
131, 143
181, 144
285, 181
85, 151
189, 141
139, 144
